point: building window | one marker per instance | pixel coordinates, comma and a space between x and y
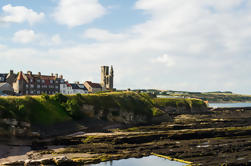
38, 80
56, 82
32, 86
56, 87
27, 86
51, 81
31, 80
38, 86
31, 91
38, 92
43, 81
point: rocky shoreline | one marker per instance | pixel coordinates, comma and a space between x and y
221, 136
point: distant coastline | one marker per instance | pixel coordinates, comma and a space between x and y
210, 97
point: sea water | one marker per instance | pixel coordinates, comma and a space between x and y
229, 105
145, 161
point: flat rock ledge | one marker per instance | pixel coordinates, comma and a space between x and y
59, 160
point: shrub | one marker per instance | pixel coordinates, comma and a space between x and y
45, 96
73, 107
59, 98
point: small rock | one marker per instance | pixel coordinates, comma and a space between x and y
62, 160
32, 163
25, 124
34, 134
20, 131
11, 122
16, 163
44, 161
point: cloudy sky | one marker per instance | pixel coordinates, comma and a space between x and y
194, 45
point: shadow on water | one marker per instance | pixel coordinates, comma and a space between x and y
13, 147
145, 161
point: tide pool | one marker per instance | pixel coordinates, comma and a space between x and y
144, 161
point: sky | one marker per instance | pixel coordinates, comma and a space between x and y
191, 45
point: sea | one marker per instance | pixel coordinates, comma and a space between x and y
229, 105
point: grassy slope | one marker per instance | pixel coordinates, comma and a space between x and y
47, 110
33, 109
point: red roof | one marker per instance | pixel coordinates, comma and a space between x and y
94, 85
21, 76
27, 77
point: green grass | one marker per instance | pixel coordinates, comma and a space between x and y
33, 109
47, 110
164, 102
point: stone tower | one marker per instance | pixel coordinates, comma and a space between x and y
107, 77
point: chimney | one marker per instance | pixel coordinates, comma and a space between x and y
29, 72
56, 75
52, 74
11, 72
39, 73
77, 82
61, 77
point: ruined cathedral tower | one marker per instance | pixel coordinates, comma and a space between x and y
107, 77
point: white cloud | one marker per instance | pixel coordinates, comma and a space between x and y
56, 39
20, 14
24, 36
102, 35
78, 12
165, 59
2, 46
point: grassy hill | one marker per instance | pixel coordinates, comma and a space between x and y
48, 110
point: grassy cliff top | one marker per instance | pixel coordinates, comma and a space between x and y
46, 110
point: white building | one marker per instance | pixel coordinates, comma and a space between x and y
79, 88
73, 88
66, 88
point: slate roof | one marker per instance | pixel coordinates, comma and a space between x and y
81, 86
78, 86
6, 87
4, 76
94, 85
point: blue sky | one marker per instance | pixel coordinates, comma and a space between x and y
178, 45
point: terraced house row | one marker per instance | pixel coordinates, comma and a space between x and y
35, 84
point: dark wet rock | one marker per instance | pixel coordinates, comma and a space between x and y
44, 161
62, 161
11, 122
